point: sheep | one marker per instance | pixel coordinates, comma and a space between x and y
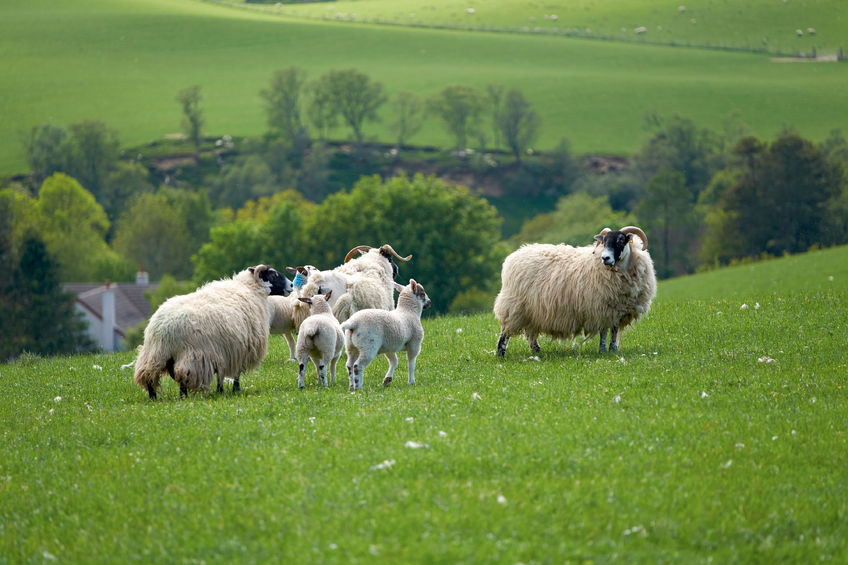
222, 328
287, 312
319, 338
565, 291
362, 283
370, 332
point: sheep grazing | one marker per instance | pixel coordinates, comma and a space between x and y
287, 312
319, 338
370, 332
358, 284
220, 329
566, 291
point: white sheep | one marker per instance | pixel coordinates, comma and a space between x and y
320, 339
370, 332
220, 329
358, 284
287, 312
566, 291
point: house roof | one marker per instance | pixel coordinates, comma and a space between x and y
131, 307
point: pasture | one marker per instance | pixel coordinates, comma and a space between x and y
123, 62
716, 434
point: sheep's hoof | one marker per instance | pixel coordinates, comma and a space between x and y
387, 381
151, 392
220, 388
236, 385
183, 391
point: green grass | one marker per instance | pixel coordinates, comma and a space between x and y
123, 62
688, 445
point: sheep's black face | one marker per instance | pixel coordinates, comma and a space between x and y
391, 261
616, 248
280, 285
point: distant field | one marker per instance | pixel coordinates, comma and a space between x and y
768, 25
717, 434
123, 62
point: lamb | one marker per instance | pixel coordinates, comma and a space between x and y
220, 329
287, 312
319, 338
370, 332
565, 291
359, 284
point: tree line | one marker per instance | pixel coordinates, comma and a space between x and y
88, 212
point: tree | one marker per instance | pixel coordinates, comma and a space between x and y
231, 248
410, 117
192, 122
321, 112
494, 94
454, 238
519, 123
73, 227
283, 101
45, 150
127, 180
459, 107
668, 209
93, 150
153, 234
242, 179
46, 321
355, 97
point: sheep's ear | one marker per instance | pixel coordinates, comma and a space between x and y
413, 284
304, 299
328, 295
291, 270
251, 269
398, 286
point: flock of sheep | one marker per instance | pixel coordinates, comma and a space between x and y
222, 329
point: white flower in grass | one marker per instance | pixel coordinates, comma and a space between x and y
704, 395
459, 330
443, 434
765, 359
727, 464
97, 367
743, 307
386, 464
534, 358
333, 546
410, 419
739, 446
57, 399
774, 438
501, 499
756, 305
617, 398
416, 445
476, 396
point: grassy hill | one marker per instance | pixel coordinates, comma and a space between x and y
716, 434
123, 62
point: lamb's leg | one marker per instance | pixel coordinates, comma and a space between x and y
322, 372
502, 343
359, 367
393, 361
410, 362
301, 371
614, 338
333, 362
292, 346
352, 353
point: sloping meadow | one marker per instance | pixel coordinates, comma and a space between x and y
717, 432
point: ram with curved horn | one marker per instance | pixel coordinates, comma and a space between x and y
566, 291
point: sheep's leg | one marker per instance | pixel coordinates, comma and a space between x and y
603, 346
333, 362
614, 338
301, 372
220, 377
533, 342
393, 361
183, 391
322, 372
359, 366
503, 341
151, 391
351, 356
236, 384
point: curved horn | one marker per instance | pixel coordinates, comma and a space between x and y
387, 247
258, 270
350, 254
637, 231
601, 235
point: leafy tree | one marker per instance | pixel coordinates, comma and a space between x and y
230, 249
459, 107
192, 123
575, 221
92, 153
495, 96
410, 117
355, 97
321, 112
153, 234
45, 150
283, 101
46, 322
127, 180
314, 180
73, 226
669, 211
519, 123
243, 179
454, 238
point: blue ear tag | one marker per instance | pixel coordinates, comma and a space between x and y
299, 280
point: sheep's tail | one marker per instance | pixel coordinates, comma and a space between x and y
149, 368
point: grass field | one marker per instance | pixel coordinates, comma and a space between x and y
717, 434
123, 62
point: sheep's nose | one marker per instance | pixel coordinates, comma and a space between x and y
608, 260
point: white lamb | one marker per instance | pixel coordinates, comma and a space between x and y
319, 338
287, 312
370, 332
220, 329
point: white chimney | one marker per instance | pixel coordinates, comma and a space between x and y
107, 338
141, 276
